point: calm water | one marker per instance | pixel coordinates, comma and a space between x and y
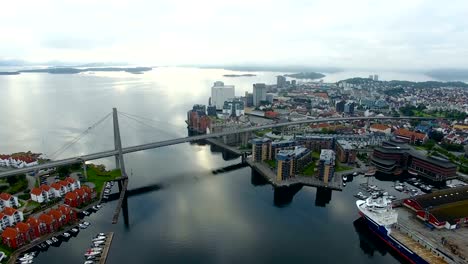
194, 216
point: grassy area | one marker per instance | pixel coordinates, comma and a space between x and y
98, 175
340, 167
272, 163
5, 250
261, 133
316, 155
20, 185
309, 170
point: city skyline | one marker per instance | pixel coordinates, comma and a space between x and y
359, 34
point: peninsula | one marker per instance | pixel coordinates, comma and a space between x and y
69, 70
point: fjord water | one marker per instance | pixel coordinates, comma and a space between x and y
192, 215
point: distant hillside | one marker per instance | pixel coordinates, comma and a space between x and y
306, 75
395, 83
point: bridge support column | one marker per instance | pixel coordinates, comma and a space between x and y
85, 170
119, 161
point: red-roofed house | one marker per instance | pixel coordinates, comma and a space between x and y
73, 183
58, 217
410, 136
380, 128
72, 199
91, 193
4, 221
37, 227
12, 238
49, 222
8, 200
25, 231
38, 195
58, 189
14, 216
68, 212
49, 190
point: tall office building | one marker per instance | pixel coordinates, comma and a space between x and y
376, 77
221, 93
326, 165
234, 108
280, 81
340, 106
349, 108
259, 93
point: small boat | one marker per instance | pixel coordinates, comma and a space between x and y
86, 213
86, 223
92, 253
54, 239
96, 249
101, 234
399, 188
345, 178
95, 208
66, 234
99, 206
25, 258
83, 226
90, 257
355, 173
49, 242
43, 245
89, 262
412, 172
99, 242
26, 261
99, 238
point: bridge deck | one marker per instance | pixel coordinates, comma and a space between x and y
123, 193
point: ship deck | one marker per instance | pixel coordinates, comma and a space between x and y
423, 252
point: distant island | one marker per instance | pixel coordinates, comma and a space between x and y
240, 75
68, 70
449, 74
305, 75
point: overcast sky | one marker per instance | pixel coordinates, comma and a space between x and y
350, 33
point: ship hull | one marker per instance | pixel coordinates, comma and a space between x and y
394, 244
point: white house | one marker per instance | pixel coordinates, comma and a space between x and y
59, 189
48, 190
8, 200
39, 195
14, 216
74, 184
4, 221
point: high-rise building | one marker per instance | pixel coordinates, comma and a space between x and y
280, 81
269, 97
221, 93
340, 106
326, 165
376, 77
261, 149
349, 108
249, 99
211, 110
233, 108
259, 93
371, 77
293, 82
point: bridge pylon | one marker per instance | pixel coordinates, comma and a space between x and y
119, 160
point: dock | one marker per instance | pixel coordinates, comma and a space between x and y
270, 176
107, 245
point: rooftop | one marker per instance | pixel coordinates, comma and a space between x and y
442, 197
327, 154
345, 144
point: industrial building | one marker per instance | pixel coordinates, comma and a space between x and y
446, 208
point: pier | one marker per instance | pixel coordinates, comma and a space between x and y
107, 245
270, 176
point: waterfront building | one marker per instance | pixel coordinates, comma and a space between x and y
197, 120
48, 223
259, 93
326, 165
291, 162
444, 208
345, 151
233, 108
280, 81
316, 143
14, 216
221, 93
261, 149
37, 227
12, 238
282, 145
25, 231
395, 156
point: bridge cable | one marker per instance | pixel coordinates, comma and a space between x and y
76, 139
156, 122
145, 124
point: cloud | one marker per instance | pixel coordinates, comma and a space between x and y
354, 34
